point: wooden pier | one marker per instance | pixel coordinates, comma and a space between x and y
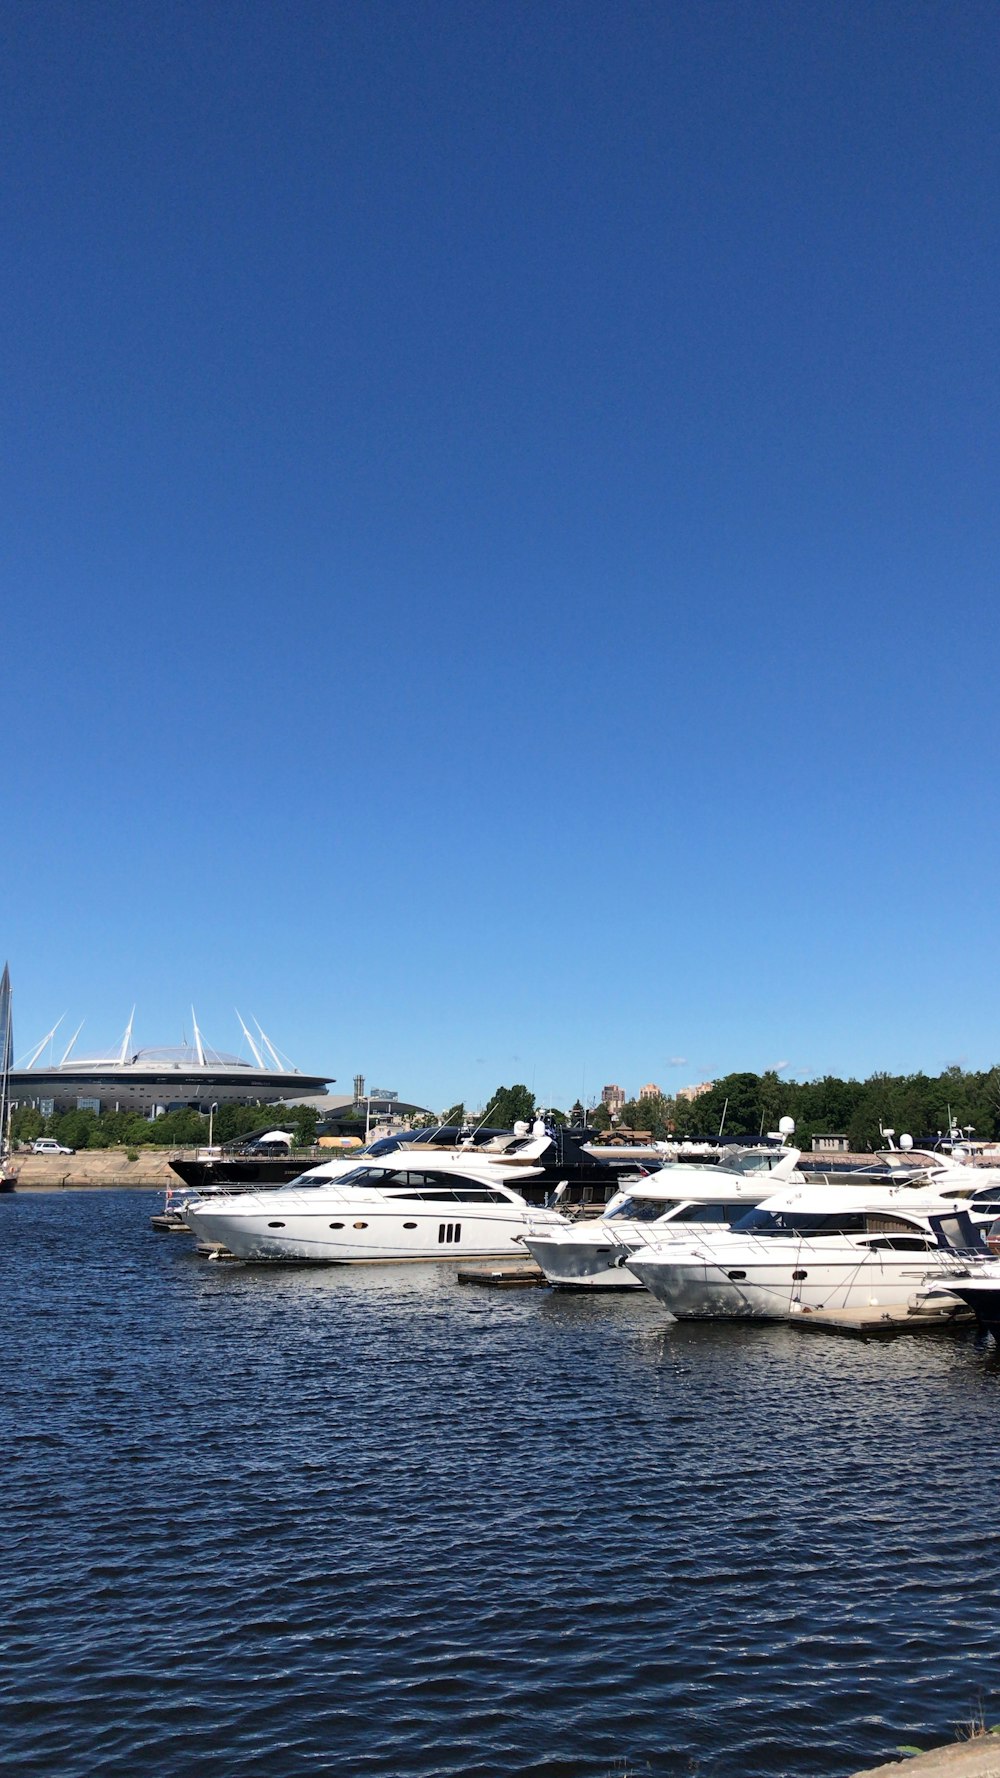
517, 1277
878, 1323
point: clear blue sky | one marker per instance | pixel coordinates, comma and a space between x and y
500, 534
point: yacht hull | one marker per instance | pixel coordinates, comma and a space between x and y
360, 1234
582, 1264
740, 1289
983, 1300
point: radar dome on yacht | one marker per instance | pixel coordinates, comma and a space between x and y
906, 1142
786, 1126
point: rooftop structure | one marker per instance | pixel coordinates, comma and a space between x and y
160, 1078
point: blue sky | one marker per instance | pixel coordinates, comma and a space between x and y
500, 534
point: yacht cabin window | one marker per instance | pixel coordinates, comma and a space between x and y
809, 1224
430, 1187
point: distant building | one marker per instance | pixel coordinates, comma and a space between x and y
613, 1097
692, 1093
651, 1091
152, 1081
831, 1145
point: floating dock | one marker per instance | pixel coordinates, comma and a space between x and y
503, 1277
878, 1323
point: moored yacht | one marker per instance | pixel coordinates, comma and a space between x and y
679, 1201
820, 1247
415, 1204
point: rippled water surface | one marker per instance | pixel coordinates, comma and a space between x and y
366, 1521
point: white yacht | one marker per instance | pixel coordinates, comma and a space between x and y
678, 1202
819, 1247
414, 1204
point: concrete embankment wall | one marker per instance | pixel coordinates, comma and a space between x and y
977, 1758
95, 1167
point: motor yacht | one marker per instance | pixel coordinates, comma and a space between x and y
414, 1204
817, 1247
679, 1201
976, 1283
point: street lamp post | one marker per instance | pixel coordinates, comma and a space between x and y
211, 1119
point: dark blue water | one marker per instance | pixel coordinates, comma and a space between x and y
366, 1521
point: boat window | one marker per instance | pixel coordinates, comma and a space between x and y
362, 1176
904, 1243
760, 1161
479, 1194
640, 1210
800, 1222
433, 1188
710, 1213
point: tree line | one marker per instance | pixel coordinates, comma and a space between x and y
174, 1129
746, 1106
740, 1106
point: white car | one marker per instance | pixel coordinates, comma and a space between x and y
49, 1145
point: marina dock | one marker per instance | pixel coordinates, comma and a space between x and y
880, 1323
517, 1277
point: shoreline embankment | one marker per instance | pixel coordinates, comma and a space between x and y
978, 1757
94, 1168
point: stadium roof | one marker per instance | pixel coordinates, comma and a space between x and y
160, 1074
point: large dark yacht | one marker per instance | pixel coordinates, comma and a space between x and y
248, 1165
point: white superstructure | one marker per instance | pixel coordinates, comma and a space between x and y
415, 1204
818, 1247
674, 1204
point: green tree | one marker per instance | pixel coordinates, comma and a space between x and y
509, 1104
455, 1113
179, 1129
651, 1113
75, 1129
26, 1123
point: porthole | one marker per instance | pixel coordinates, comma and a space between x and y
275, 1225
735, 1275
798, 1276
336, 1225
409, 1225
361, 1225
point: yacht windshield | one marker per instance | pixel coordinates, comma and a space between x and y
760, 1160
640, 1210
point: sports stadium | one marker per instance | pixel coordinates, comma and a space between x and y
152, 1081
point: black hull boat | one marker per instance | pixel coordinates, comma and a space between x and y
238, 1172
590, 1180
